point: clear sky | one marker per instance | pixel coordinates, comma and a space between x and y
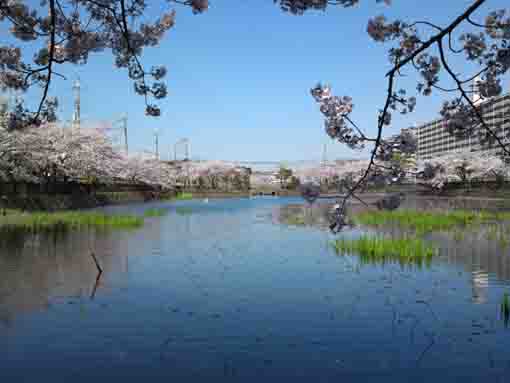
239, 77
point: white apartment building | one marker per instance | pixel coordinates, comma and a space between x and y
434, 140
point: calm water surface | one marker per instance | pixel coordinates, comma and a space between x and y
227, 291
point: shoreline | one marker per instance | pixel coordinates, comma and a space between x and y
77, 201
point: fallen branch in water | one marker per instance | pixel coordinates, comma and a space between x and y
96, 285
99, 269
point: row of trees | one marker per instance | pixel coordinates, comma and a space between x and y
86, 155
214, 175
51, 153
461, 167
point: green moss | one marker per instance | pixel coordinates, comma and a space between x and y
379, 249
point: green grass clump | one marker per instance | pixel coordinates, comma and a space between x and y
380, 249
65, 220
154, 213
427, 221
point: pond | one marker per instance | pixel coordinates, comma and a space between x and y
249, 290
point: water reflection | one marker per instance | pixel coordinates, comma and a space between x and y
36, 269
481, 250
316, 215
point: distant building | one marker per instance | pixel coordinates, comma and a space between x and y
434, 140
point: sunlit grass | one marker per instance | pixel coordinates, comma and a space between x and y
379, 249
427, 221
66, 220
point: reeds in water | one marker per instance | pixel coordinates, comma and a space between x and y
380, 249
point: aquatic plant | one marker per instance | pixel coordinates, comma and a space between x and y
380, 249
427, 221
66, 220
154, 213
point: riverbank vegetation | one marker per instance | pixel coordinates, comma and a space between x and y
66, 220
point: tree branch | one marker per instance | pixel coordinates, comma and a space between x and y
469, 101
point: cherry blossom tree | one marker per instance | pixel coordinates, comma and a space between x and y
67, 32
424, 48
38, 154
83, 155
144, 168
462, 167
215, 175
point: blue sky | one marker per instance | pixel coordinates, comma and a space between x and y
239, 79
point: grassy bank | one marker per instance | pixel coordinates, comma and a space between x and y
426, 221
66, 220
380, 249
